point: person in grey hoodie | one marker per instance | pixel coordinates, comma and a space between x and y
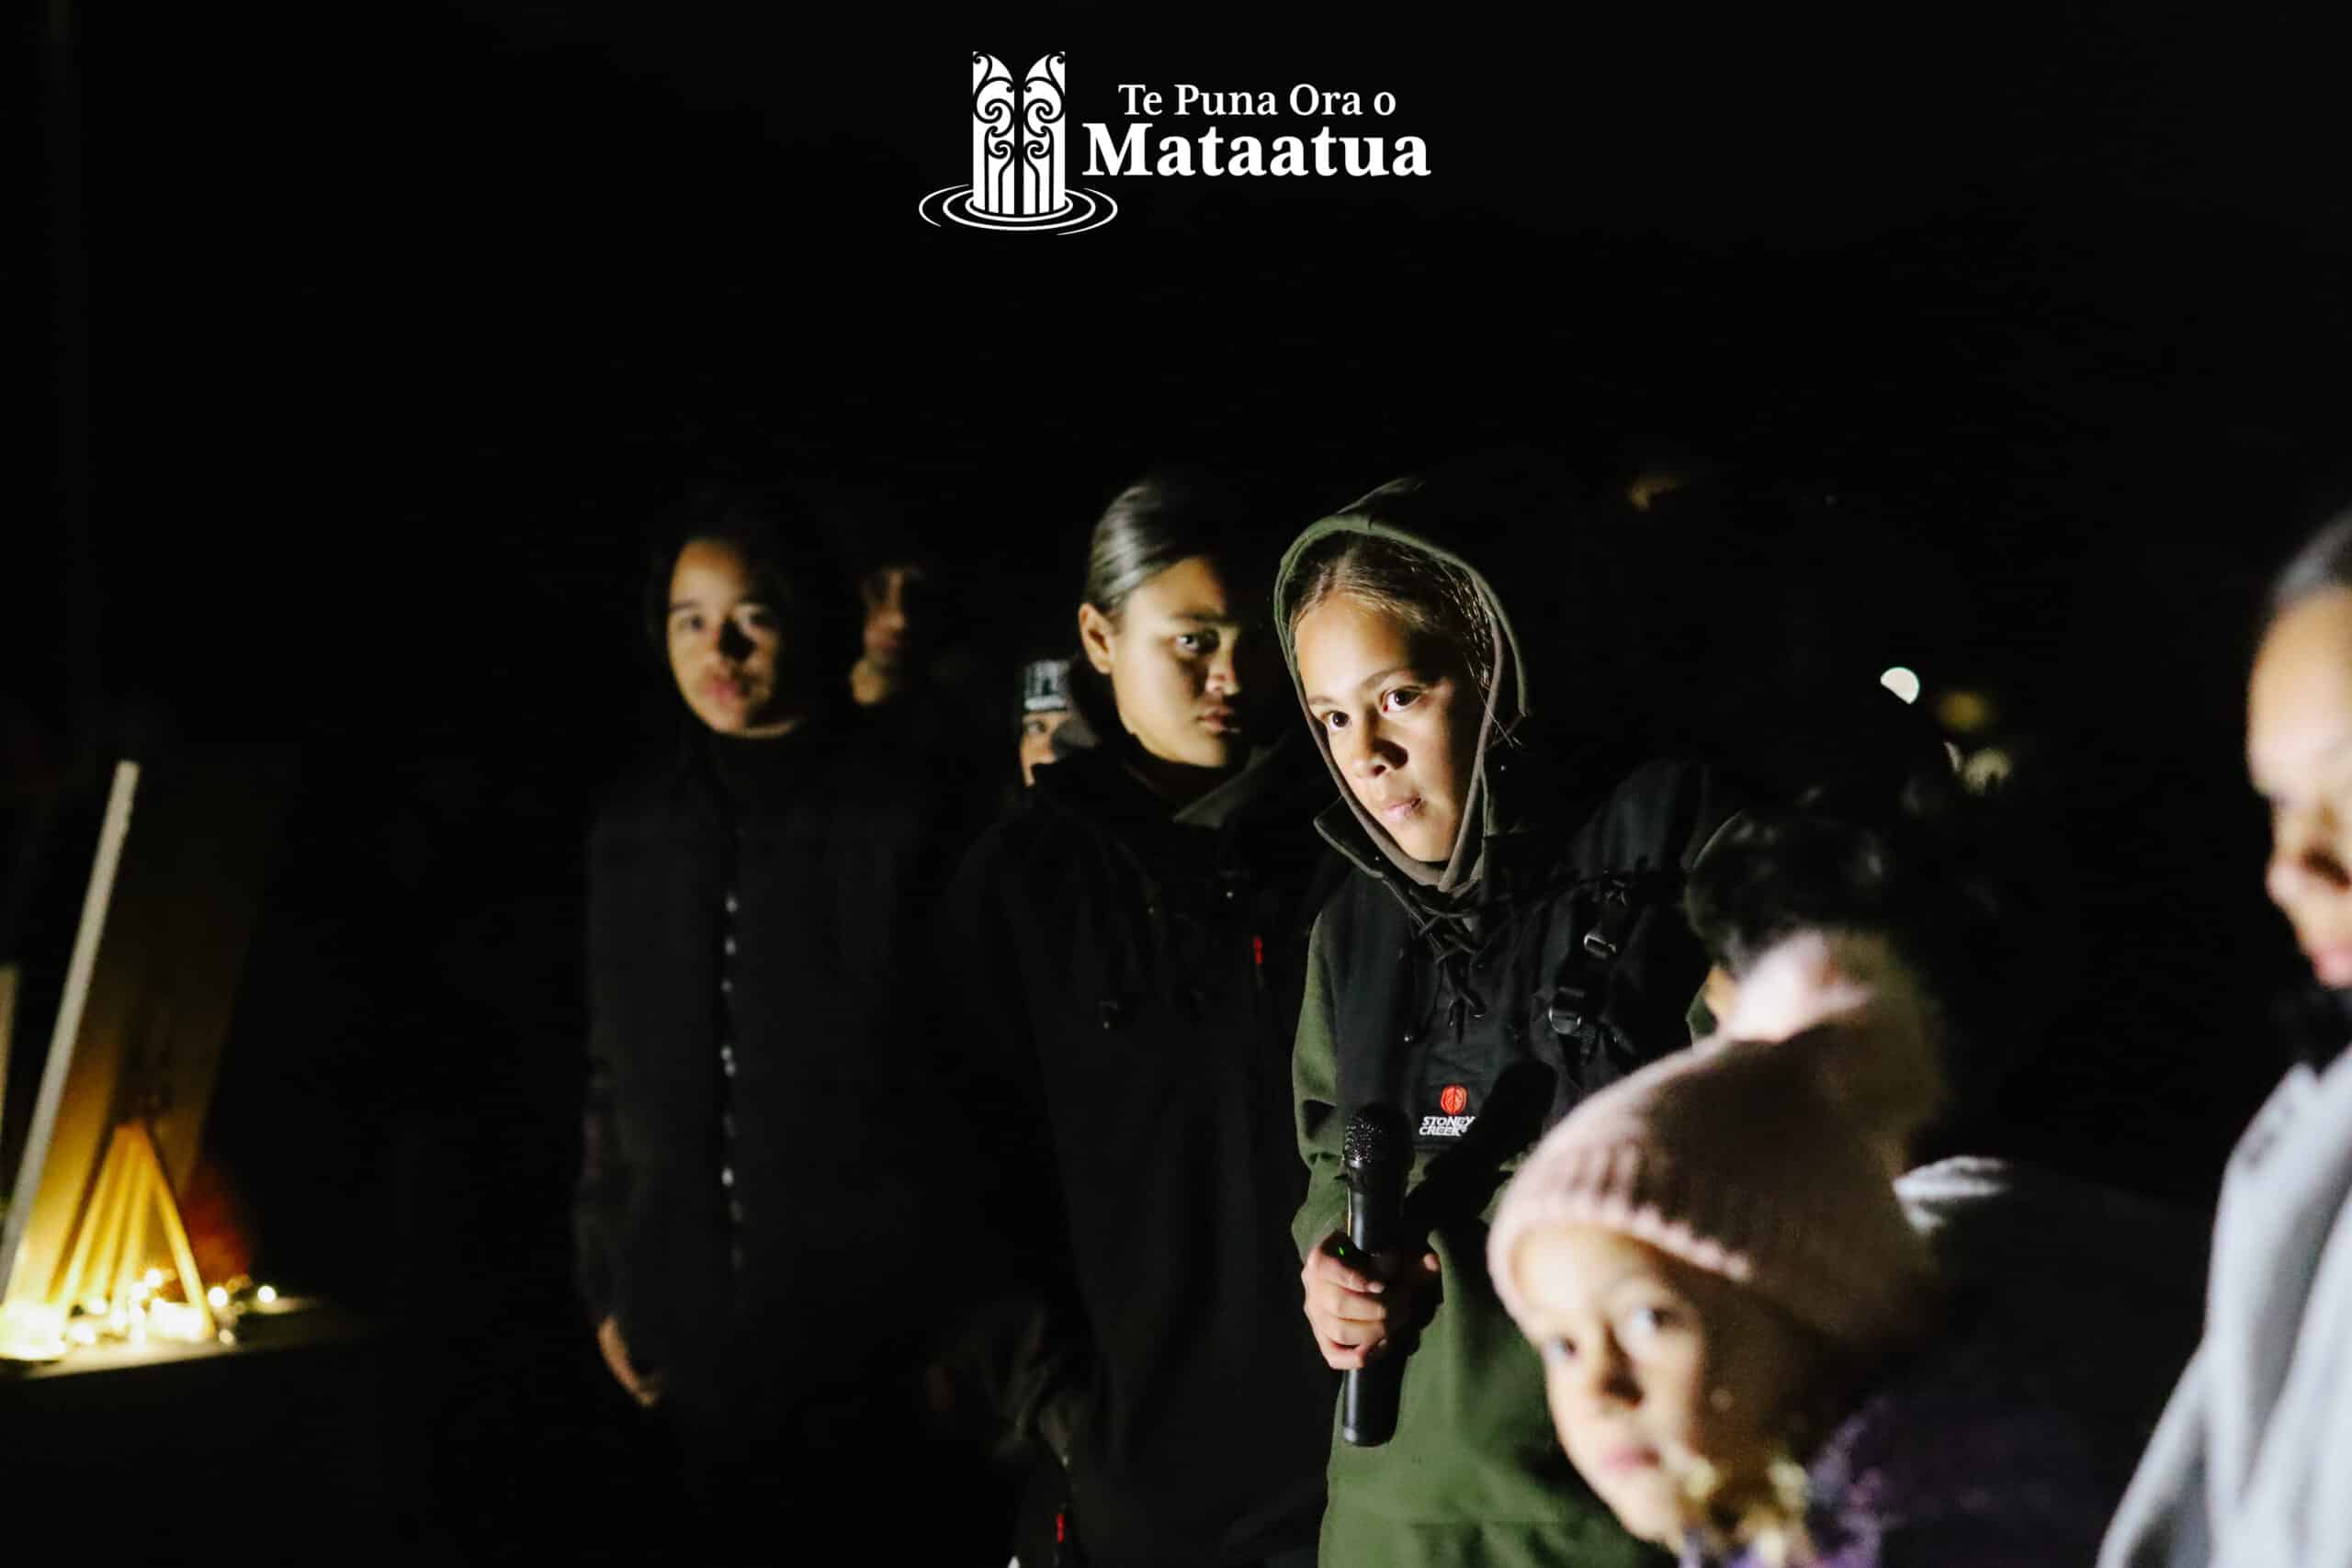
1506, 941
2246, 1466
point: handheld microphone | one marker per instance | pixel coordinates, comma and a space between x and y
1379, 1155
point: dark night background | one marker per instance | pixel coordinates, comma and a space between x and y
2012, 348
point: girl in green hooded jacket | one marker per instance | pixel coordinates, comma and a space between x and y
1510, 944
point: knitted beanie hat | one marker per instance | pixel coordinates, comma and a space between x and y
1766, 1154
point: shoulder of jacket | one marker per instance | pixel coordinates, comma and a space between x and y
1361, 921
857, 766
1031, 840
1006, 837
1664, 812
645, 792
882, 797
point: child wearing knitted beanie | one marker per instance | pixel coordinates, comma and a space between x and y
1744, 1338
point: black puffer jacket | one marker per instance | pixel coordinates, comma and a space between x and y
761, 1122
1134, 977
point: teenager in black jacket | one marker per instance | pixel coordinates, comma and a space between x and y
761, 1122
1130, 941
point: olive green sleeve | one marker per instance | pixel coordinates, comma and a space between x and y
1315, 1100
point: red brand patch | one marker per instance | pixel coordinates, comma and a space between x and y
1453, 1098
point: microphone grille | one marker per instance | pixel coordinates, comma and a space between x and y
1376, 1140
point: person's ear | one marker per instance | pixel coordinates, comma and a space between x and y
1096, 634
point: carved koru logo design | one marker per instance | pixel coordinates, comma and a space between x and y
1020, 151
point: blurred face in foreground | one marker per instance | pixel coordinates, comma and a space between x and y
1401, 717
1668, 1385
725, 643
2298, 750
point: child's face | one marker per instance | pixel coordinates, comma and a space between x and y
1654, 1368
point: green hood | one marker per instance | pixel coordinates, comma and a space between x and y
1405, 513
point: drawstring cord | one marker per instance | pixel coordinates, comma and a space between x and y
1510, 923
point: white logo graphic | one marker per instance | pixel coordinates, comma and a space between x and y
1018, 135
1445, 1126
